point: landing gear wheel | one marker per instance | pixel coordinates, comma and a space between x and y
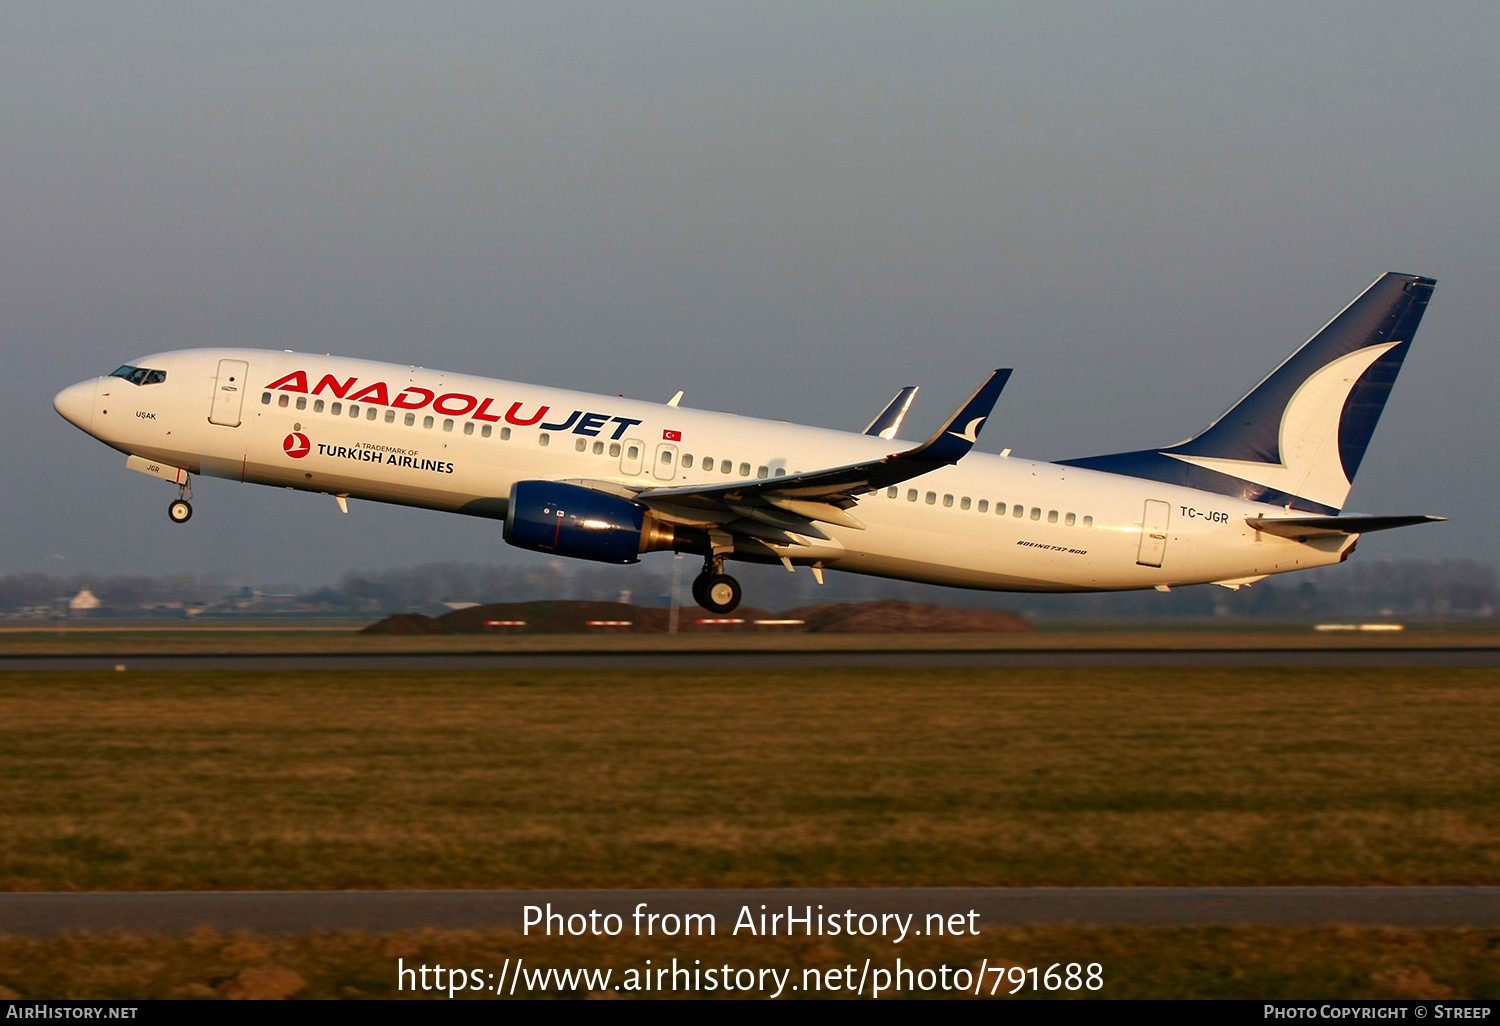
718, 593
181, 511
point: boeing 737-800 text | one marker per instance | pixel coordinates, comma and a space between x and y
1260, 491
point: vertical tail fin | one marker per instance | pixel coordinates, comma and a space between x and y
1298, 438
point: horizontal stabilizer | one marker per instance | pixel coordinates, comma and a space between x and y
1303, 528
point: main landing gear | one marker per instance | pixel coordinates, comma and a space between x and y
181, 510
715, 590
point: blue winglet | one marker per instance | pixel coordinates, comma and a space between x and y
955, 438
889, 422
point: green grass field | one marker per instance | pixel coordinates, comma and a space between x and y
737, 778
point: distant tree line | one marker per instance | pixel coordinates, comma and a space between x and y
1412, 589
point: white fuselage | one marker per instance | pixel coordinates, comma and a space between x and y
458, 443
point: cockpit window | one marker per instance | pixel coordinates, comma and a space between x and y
140, 375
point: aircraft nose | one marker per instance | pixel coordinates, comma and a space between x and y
76, 404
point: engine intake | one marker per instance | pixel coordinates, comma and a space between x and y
549, 516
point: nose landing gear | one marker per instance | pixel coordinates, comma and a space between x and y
715, 590
181, 510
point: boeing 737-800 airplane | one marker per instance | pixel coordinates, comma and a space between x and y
1260, 491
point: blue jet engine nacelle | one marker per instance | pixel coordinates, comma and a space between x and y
549, 516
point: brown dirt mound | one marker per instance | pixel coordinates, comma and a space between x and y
561, 618
406, 623
827, 618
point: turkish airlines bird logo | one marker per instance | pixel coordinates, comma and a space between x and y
296, 445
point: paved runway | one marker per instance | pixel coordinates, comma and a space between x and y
280, 912
758, 659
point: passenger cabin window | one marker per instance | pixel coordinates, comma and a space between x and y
541, 439
948, 501
505, 434
1052, 516
302, 402
931, 498
390, 416
1036, 513
265, 398
468, 427
892, 492
338, 408
427, 422
763, 473
708, 464
317, 406
780, 472
371, 413
484, 432
581, 445
354, 410
687, 460
448, 424
1088, 521
599, 451
1018, 511
984, 505
911, 495
282, 400
964, 502
1069, 519
633, 453
411, 418
614, 447
666, 457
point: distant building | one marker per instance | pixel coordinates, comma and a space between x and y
82, 604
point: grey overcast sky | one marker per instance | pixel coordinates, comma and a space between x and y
787, 210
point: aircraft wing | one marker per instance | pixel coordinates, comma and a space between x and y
776, 508
889, 422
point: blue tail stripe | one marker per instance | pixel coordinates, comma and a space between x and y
1388, 311
1363, 407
